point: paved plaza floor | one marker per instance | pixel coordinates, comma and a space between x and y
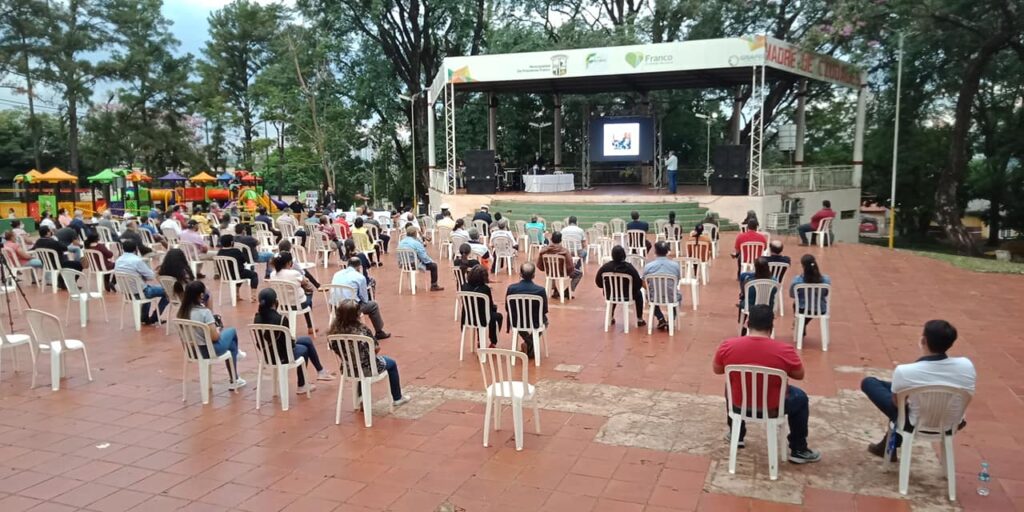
629, 422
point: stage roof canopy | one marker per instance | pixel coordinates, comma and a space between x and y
706, 63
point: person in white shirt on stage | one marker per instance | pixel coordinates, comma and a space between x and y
672, 166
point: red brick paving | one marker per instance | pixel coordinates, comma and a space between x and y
164, 454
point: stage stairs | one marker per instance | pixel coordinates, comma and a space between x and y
687, 214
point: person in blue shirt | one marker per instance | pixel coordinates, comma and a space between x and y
663, 266
353, 276
811, 274
535, 223
636, 223
413, 243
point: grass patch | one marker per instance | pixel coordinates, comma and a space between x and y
985, 265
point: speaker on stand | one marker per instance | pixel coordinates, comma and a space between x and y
480, 169
732, 169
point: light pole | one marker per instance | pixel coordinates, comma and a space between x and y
539, 127
895, 143
707, 158
412, 138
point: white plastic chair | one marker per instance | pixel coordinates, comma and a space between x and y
555, 274
82, 297
10, 287
457, 239
460, 281
192, 255
673, 234
444, 236
482, 227
595, 249
12, 342
504, 254
173, 300
534, 242
939, 411
194, 335
779, 269
556, 225
171, 236
230, 277
618, 229
348, 348
636, 242
659, 229
322, 246
131, 288
754, 384
105, 234
97, 269
689, 267
764, 292
662, 291
637, 261
247, 251
329, 297
14, 263
712, 231
702, 252
522, 318
618, 290
267, 338
48, 337
817, 304
476, 317
749, 253
500, 385
288, 304
603, 228
408, 263
824, 230
51, 266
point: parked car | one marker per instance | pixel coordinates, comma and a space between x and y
868, 225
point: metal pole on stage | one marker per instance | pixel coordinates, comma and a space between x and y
412, 138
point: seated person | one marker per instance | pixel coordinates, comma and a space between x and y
460, 228
811, 274
286, 246
619, 265
228, 249
92, 242
661, 265
484, 214
413, 243
351, 252
750, 235
175, 265
555, 248
476, 281
501, 231
775, 254
825, 212
382, 234
23, 257
444, 219
131, 263
131, 232
478, 248
759, 349
302, 347
19, 231
69, 237
573, 231
636, 223
761, 271
47, 241
195, 306
253, 245
526, 286
194, 237
466, 259
353, 276
283, 271
933, 368
346, 321
535, 223
262, 216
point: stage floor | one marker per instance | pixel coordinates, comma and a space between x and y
600, 194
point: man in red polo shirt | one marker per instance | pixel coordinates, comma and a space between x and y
750, 235
825, 212
759, 349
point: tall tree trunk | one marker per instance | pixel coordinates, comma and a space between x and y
994, 222
72, 133
947, 209
33, 122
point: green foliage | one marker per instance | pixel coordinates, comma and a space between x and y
16, 151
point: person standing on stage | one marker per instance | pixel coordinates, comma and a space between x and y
672, 164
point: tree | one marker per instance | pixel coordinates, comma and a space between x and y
17, 150
77, 28
239, 49
21, 44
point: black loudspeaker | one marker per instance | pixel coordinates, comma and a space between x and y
731, 161
480, 171
729, 186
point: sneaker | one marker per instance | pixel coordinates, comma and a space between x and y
641, 323
728, 439
878, 450
237, 384
324, 376
436, 288
662, 325
242, 354
402, 401
382, 335
804, 456
301, 390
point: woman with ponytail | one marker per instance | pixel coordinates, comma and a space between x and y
282, 264
811, 275
303, 346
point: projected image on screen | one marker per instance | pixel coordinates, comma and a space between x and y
621, 139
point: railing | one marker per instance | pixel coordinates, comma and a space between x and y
439, 181
806, 179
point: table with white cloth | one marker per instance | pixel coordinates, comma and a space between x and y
548, 183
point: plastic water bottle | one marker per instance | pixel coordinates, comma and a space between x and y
983, 479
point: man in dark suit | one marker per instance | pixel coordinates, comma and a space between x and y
484, 215
527, 287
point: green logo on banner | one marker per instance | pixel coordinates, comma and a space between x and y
634, 58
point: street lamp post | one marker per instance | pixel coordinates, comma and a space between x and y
539, 127
412, 139
895, 144
707, 158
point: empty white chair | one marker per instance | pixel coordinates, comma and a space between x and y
534, 242
268, 340
288, 302
595, 249
817, 303
556, 225
408, 263
12, 342
504, 254
171, 236
659, 228
603, 228
636, 242
106, 234
501, 385
618, 229
194, 335
689, 268
48, 338
349, 349
97, 269
939, 410
322, 246
618, 290
663, 291
82, 297
195, 261
131, 287
754, 386
444, 236
749, 253
173, 300
526, 314
638, 262
51, 265
764, 292
230, 278
556, 276
476, 318
10, 287
824, 230
779, 269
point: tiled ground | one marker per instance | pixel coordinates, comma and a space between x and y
638, 427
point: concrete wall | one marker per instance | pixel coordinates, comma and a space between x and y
735, 208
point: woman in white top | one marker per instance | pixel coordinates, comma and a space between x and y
47, 221
283, 271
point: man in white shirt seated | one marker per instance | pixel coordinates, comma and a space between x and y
501, 231
172, 224
574, 232
131, 263
353, 276
934, 368
477, 246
